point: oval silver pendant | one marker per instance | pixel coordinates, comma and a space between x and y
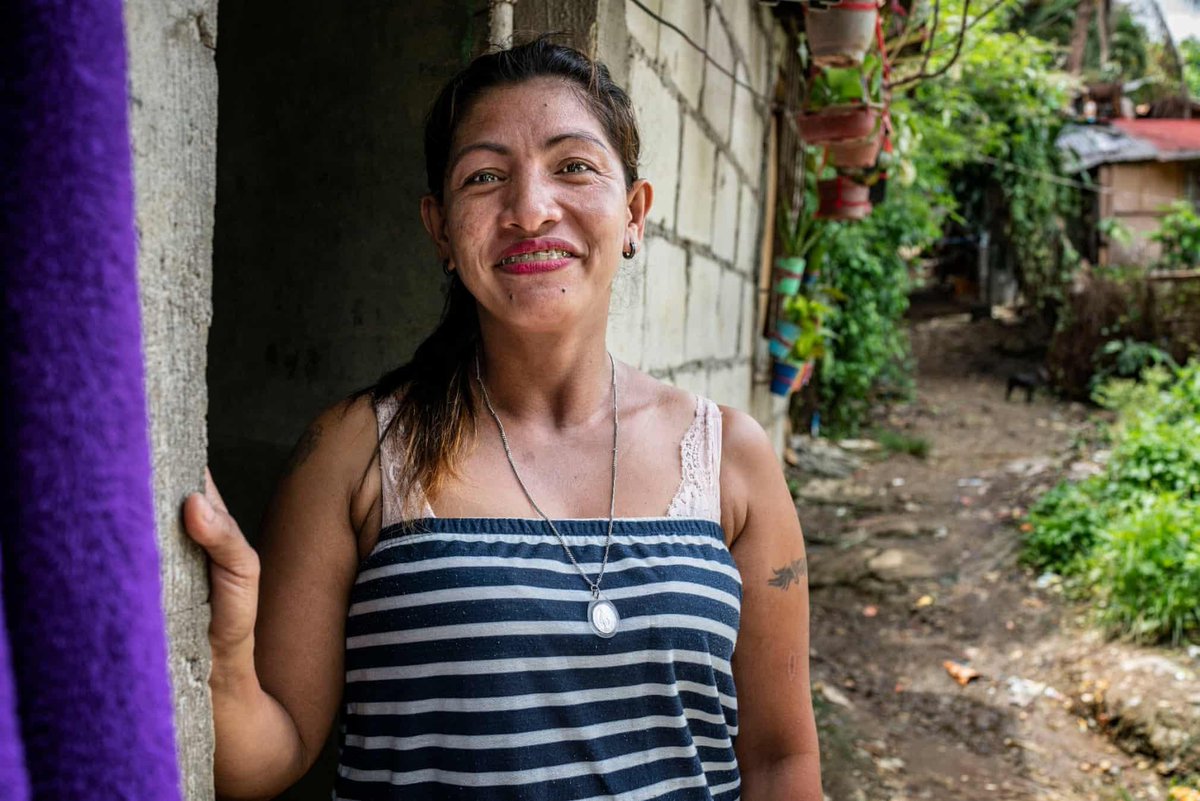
603, 617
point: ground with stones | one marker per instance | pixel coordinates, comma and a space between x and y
915, 580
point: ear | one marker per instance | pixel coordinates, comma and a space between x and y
638, 201
433, 215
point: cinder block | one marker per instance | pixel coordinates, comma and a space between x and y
627, 312
740, 14
771, 413
749, 326
717, 103
720, 385
731, 295
694, 216
746, 139
684, 63
703, 330
749, 233
741, 383
695, 381
642, 27
725, 210
665, 314
659, 120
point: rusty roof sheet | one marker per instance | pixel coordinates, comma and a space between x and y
1129, 140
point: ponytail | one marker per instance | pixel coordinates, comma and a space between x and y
437, 411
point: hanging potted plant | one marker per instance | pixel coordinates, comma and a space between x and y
843, 198
840, 33
796, 354
802, 237
844, 110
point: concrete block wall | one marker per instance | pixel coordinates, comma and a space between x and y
686, 309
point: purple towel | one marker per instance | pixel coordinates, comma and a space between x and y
80, 581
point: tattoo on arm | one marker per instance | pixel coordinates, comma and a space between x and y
789, 574
304, 449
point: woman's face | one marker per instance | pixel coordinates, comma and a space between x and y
535, 210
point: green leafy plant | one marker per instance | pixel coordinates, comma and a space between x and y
1130, 537
839, 86
1127, 358
802, 235
1113, 230
1146, 568
807, 313
1179, 235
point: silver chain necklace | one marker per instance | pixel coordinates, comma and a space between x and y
601, 614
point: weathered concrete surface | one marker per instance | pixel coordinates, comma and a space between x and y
173, 83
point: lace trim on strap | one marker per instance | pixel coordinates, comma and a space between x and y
699, 494
397, 504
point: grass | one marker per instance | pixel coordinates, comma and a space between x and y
899, 442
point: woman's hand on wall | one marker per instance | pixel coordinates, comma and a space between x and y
233, 573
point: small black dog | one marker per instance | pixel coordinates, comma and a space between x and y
1028, 382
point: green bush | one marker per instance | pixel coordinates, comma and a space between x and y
899, 442
1064, 525
1130, 537
1146, 571
1179, 236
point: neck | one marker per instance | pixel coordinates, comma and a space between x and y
564, 380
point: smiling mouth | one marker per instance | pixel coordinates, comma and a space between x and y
537, 255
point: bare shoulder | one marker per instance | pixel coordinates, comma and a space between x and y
332, 458
750, 469
644, 392
336, 438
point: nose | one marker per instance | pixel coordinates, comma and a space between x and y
532, 203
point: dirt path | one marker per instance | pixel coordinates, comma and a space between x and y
913, 564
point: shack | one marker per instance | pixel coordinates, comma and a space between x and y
1138, 167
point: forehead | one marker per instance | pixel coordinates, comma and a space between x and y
533, 109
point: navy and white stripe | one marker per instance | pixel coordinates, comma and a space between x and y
472, 673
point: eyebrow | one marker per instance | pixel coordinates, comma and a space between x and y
499, 149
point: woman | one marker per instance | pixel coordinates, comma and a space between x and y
519, 565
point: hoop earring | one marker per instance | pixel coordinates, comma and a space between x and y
629, 254
446, 267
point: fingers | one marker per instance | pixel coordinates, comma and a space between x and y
209, 523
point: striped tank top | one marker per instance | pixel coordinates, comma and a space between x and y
472, 673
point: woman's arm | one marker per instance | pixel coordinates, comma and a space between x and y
777, 740
278, 639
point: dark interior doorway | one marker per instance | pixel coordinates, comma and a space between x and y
323, 276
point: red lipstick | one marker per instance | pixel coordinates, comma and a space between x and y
551, 254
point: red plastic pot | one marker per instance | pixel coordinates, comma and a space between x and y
840, 35
843, 199
835, 123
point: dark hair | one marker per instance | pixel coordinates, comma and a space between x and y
438, 405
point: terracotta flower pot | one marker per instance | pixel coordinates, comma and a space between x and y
855, 153
835, 123
843, 199
840, 35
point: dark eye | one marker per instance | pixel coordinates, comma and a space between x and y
483, 178
577, 167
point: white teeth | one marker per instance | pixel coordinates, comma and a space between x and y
537, 255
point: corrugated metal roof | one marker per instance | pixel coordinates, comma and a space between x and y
1129, 140
1168, 136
